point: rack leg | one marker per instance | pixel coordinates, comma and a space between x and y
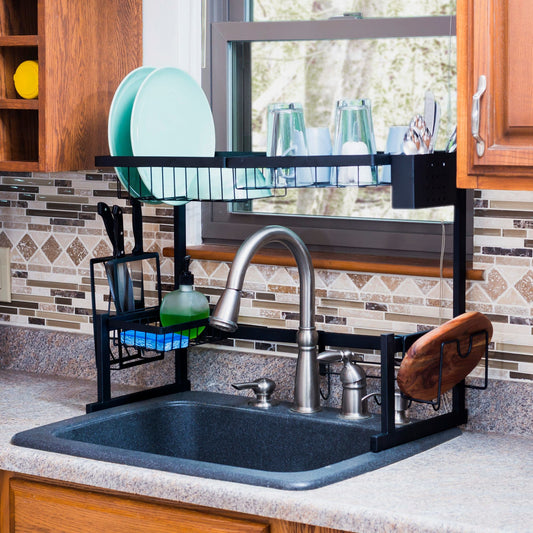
180, 369
103, 364
459, 286
180, 241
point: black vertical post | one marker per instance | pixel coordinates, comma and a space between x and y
459, 283
180, 251
180, 241
387, 383
459, 253
103, 363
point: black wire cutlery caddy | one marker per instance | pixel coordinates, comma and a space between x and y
416, 181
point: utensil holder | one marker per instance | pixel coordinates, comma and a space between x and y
420, 181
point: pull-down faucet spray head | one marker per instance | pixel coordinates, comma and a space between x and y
227, 311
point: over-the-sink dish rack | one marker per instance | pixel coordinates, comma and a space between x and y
135, 337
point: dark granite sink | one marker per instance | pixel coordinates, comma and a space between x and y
221, 437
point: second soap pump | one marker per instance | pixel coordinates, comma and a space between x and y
184, 304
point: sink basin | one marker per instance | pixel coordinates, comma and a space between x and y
220, 436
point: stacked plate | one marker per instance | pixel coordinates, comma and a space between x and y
164, 112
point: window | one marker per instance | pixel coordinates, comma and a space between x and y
266, 51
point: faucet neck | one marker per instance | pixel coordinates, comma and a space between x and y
306, 384
300, 253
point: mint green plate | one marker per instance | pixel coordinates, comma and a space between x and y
171, 117
118, 130
223, 184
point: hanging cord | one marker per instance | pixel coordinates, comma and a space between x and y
445, 399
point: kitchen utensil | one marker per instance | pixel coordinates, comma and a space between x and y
172, 117
463, 342
107, 217
286, 137
124, 300
435, 129
354, 135
429, 110
451, 145
118, 131
417, 139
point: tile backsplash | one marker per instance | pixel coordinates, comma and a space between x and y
49, 222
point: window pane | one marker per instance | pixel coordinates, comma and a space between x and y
393, 73
271, 10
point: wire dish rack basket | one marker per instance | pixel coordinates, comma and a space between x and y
417, 181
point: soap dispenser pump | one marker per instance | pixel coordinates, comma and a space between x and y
184, 304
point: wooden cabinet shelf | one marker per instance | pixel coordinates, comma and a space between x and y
13, 103
84, 48
19, 40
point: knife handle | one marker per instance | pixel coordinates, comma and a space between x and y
137, 224
119, 230
104, 211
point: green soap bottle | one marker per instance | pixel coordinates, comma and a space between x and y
184, 304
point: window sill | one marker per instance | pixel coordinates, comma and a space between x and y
347, 262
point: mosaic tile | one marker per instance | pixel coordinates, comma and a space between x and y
5, 242
511, 297
525, 286
27, 247
477, 294
360, 280
343, 283
495, 285
392, 282
51, 249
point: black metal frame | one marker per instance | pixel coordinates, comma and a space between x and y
418, 172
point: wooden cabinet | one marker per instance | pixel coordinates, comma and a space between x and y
83, 48
31, 504
495, 40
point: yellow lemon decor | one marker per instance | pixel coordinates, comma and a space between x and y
26, 79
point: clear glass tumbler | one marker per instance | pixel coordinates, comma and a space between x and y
354, 135
286, 137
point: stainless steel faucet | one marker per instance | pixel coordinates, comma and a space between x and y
306, 382
353, 379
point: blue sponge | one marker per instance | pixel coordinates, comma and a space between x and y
153, 341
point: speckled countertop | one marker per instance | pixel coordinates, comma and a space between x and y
474, 483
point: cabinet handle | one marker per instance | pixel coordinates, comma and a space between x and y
481, 87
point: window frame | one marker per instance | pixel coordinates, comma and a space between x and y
227, 53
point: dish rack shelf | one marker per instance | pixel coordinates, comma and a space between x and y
417, 181
121, 339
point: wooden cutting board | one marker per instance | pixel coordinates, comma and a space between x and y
418, 376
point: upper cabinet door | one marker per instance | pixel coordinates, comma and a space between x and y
495, 94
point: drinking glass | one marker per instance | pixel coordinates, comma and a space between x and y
319, 143
394, 146
286, 137
354, 135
